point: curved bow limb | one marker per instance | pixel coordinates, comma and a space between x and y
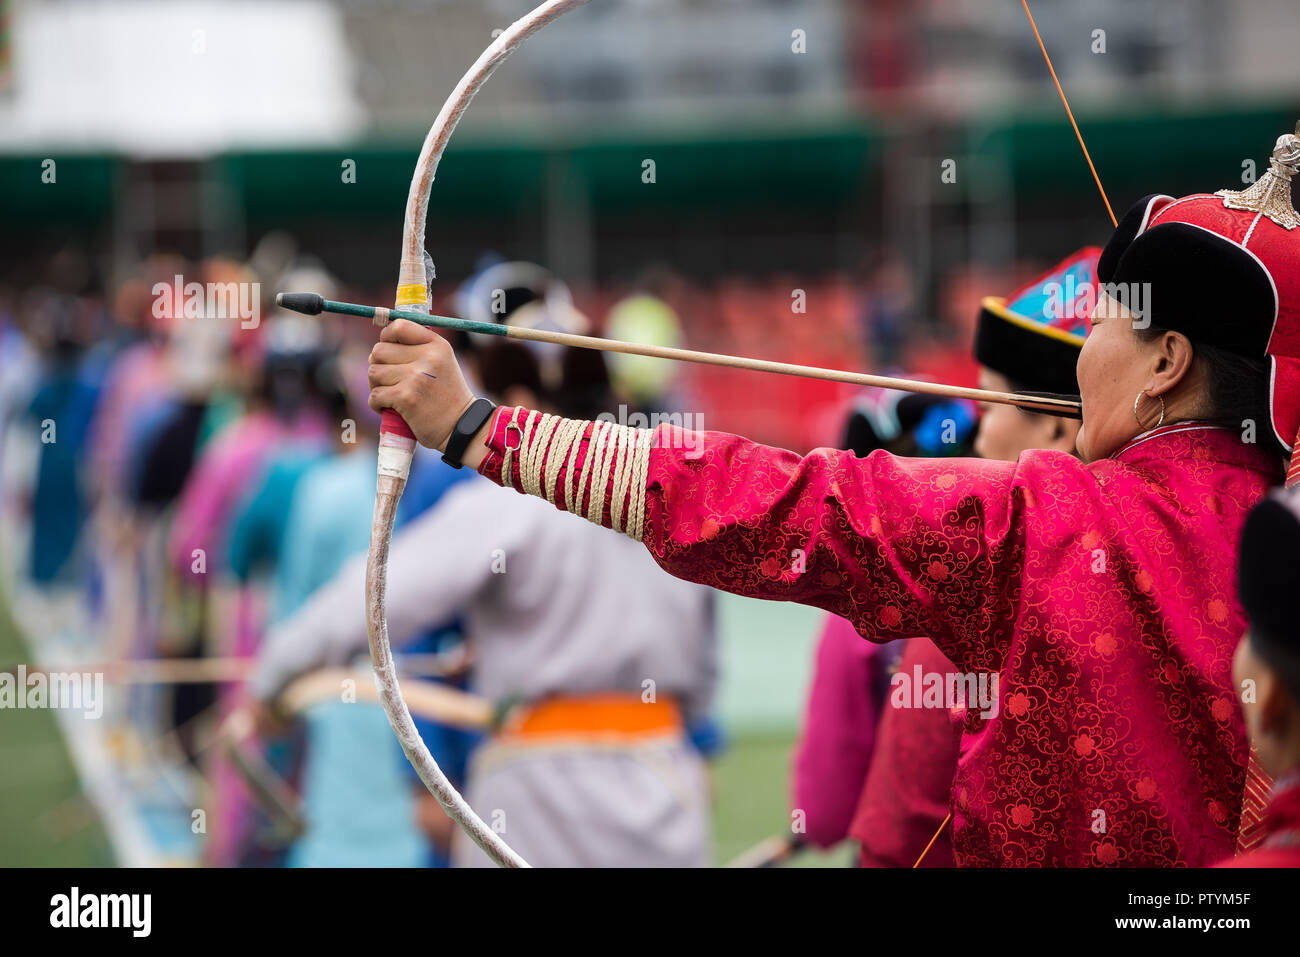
397, 443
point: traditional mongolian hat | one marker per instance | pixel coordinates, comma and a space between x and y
1223, 269
1268, 578
1034, 335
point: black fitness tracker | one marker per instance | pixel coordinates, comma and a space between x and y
467, 425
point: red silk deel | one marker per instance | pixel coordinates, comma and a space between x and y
1102, 595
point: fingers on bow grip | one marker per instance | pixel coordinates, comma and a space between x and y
393, 424
407, 333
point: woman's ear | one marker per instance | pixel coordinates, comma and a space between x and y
1171, 362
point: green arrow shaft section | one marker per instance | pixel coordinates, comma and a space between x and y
441, 322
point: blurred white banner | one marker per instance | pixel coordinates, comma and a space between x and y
178, 77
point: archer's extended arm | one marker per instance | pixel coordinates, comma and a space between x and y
899, 547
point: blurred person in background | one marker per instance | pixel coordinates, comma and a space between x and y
644, 316
309, 516
888, 307
285, 407
1268, 664
165, 437
525, 295
60, 410
18, 360
1030, 342
160, 618
260, 548
139, 371
842, 722
208, 362
593, 764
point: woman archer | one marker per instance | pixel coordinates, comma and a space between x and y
1098, 590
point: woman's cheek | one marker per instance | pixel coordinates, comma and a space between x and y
992, 440
1081, 444
1083, 367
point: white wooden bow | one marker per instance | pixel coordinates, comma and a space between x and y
397, 444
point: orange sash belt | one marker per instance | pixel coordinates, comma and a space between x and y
597, 716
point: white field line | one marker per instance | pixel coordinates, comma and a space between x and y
87, 741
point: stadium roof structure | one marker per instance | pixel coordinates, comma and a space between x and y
152, 78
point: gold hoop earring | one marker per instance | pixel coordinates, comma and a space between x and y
1138, 399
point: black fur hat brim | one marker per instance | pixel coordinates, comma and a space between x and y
1031, 355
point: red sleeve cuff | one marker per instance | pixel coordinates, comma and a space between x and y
495, 440
502, 431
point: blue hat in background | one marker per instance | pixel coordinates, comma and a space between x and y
1034, 335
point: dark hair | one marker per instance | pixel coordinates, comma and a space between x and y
583, 392
503, 365
1237, 385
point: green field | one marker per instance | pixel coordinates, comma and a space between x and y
751, 787
44, 819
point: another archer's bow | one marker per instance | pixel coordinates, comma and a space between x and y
397, 442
